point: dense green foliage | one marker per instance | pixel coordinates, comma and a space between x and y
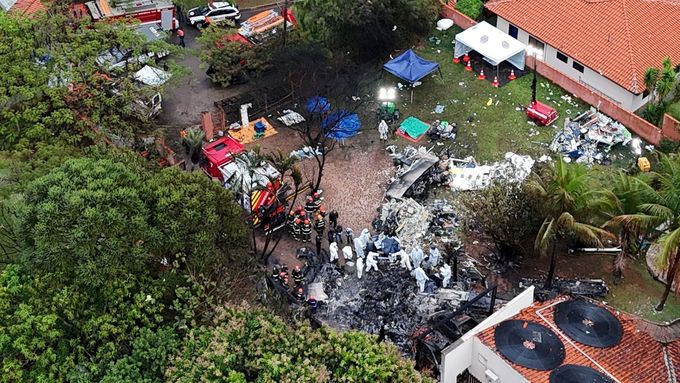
664, 87
230, 61
365, 29
52, 85
255, 346
470, 8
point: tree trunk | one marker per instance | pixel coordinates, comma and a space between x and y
670, 276
553, 266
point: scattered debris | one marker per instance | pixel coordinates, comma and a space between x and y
305, 152
291, 117
439, 109
593, 288
465, 174
589, 137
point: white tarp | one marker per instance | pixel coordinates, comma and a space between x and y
152, 76
495, 45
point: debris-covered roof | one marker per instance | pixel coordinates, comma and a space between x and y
620, 39
638, 357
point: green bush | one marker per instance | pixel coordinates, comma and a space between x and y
471, 8
674, 110
654, 112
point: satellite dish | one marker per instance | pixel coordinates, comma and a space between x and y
529, 344
588, 323
572, 373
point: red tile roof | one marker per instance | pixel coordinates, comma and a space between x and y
28, 7
638, 358
620, 39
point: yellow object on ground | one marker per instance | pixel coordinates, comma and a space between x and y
643, 164
246, 134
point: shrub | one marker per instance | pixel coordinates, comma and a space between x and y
674, 110
471, 8
653, 112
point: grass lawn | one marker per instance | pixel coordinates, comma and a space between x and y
496, 128
639, 293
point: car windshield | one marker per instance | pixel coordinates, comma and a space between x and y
202, 10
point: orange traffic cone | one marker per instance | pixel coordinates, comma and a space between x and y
466, 58
468, 67
481, 75
456, 60
512, 75
495, 82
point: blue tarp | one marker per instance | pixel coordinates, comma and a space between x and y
410, 67
341, 125
318, 104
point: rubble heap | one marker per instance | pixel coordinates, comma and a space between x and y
589, 137
407, 219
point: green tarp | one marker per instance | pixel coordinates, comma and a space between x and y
414, 127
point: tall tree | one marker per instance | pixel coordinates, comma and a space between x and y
365, 29
628, 196
569, 200
661, 209
53, 85
256, 346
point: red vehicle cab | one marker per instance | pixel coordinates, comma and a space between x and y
541, 113
220, 152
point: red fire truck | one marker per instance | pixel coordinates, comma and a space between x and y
257, 185
161, 12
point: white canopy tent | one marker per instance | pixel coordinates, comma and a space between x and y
495, 45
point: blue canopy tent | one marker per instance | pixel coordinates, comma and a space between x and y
340, 125
410, 67
318, 104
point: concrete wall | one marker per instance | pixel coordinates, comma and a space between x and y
460, 355
671, 127
621, 96
486, 359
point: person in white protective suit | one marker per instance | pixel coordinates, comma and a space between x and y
347, 253
333, 250
360, 267
365, 237
445, 273
417, 256
359, 247
421, 278
371, 261
383, 129
405, 261
433, 260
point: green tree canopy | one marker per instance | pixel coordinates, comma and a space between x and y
366, 29
52, 85
256, 346
88, 221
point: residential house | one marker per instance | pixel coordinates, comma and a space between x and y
23, 7
561, 335
605, 45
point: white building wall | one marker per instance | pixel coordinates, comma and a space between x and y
461, 355
484, 359
589, 77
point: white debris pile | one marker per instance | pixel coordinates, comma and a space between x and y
411, 218
589, 137
291, 117
467, 175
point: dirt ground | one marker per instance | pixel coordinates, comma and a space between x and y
353, 183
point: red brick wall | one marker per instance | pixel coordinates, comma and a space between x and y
671, 127
449, 11
633, 122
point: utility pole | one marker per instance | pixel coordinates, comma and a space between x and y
285, 21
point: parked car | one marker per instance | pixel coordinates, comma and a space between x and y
213, 12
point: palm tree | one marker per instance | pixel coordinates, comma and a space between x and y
651, 76
662, 191
569, 202
627, 194
194, 142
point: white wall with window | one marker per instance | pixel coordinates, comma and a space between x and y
576, 70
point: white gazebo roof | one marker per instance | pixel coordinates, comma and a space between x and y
495, 45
